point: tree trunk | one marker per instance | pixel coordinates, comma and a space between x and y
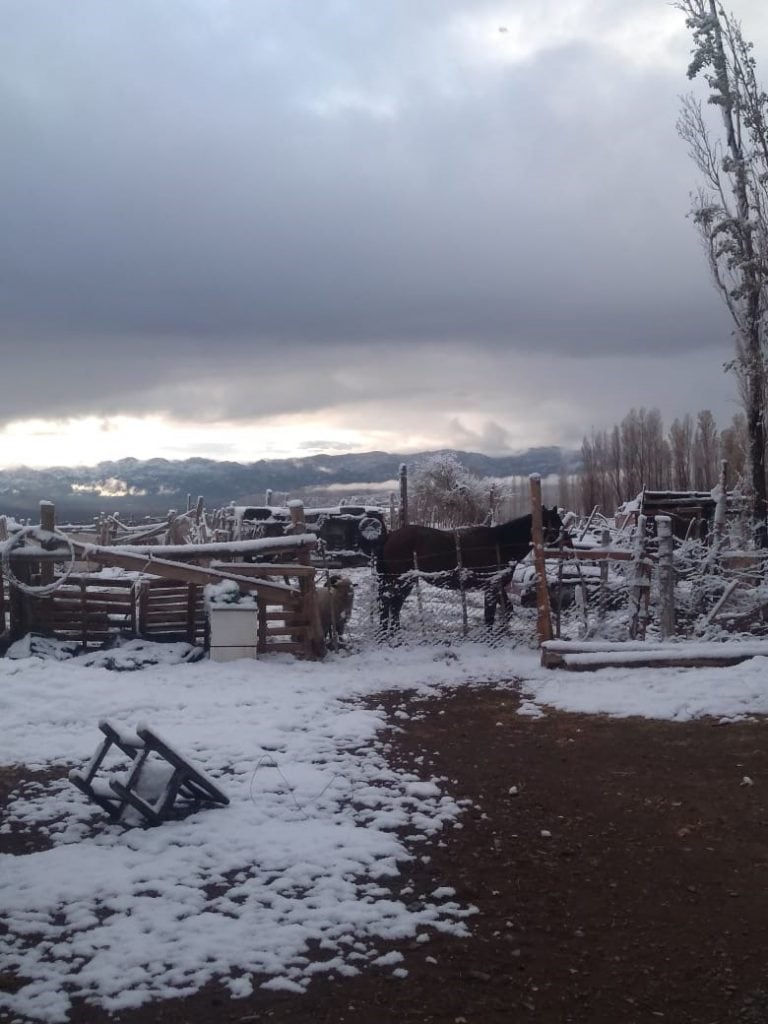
750, 329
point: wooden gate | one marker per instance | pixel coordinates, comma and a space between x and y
169, 611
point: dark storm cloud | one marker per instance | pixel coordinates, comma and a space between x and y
197, 191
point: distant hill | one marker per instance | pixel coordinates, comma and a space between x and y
153, 486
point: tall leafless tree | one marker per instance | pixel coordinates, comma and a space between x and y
733, 448
706, 452
681, 445
731, 207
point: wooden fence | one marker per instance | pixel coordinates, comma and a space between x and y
93, 610
162, 597
88, 610
168, 611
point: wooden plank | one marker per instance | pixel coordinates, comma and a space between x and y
72, 599
174, 615
583, 664
264, 546
105, 582
166, 635
91, 615
73, 608
266, 568
588, 655
167, 590
179, 596
285, 648
176, 611
181, 571
168, 602
588, 554
74, 629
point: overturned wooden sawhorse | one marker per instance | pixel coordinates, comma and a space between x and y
150, 787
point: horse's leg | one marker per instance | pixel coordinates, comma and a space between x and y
392, 595
505, 604
496, 596
490, 600
399, 593
385, 604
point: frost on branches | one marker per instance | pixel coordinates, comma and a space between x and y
446, 494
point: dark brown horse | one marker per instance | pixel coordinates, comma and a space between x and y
471, 557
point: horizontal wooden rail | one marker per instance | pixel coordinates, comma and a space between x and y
265, 568
124, 559
215, 549
589, 554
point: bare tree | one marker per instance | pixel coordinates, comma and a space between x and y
644, 452
681, 445
656, 450
590, 477
633, 470
731, 207
733, 448
614, 465
706, 452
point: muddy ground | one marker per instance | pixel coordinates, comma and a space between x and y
625, 880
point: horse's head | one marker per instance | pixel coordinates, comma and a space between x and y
552, 524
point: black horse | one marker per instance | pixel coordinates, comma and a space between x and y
470, 557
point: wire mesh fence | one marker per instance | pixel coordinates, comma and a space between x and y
433, 614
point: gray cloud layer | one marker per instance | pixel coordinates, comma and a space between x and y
198, 193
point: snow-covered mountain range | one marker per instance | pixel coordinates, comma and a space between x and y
155, 485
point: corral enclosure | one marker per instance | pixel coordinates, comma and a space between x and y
608, 580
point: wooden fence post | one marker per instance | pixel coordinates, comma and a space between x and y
191, 608
39, 610
316, 640
403, 516
47, 522
462, 591
84, 612
142, 607
639, 593
544, 614
666, 577
605, 541
721, 506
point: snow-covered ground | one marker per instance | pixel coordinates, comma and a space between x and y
313, 851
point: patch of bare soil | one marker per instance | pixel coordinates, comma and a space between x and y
624, 881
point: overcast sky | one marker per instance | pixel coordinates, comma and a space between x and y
252, 228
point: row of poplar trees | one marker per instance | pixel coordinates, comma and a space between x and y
639, 452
